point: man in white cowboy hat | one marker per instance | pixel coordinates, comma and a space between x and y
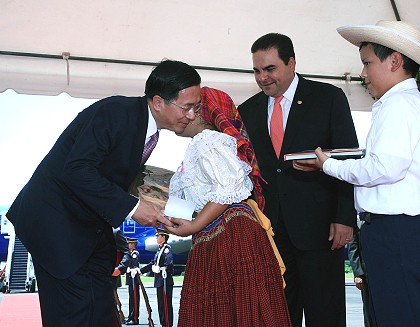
387, 179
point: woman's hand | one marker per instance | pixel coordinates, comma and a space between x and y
207, 215
181, 227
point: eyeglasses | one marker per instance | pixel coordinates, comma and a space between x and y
195, 108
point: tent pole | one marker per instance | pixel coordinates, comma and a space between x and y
343, 77
394, 7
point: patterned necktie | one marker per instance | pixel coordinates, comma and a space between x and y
276, 126
149, 146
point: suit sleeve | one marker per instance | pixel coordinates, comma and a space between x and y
147, 267
95, 145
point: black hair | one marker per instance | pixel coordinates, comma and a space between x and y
165, 235
278, 41
383, 52
170, 77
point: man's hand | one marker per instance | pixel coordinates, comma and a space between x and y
147, 214
116, 272
340, 235
311, 164
359, 283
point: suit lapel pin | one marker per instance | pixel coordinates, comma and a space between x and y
299, 102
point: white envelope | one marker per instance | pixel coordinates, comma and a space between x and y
179, 208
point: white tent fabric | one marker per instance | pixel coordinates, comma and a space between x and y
206, 34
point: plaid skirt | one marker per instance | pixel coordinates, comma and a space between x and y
232, 277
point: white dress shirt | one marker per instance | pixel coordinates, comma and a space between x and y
387, 179
151, 129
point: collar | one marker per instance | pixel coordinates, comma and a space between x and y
290, 92
162, 245
407, 84
151, 125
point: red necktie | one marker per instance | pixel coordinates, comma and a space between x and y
276, 126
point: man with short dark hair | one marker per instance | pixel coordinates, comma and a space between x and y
80, 191
312, 215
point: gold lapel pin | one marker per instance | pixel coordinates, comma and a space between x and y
299, 102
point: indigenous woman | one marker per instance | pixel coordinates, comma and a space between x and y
232, 277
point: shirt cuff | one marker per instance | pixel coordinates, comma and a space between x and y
328, 166
130, 215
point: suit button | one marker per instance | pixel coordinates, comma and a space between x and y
278, 170
99, 231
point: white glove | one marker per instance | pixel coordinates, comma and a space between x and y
156, 269
134, 272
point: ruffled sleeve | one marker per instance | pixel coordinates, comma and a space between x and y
224, 172
212, 172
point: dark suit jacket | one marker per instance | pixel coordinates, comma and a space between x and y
309, 202
79, 190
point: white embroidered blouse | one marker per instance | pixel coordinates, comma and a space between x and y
211, 172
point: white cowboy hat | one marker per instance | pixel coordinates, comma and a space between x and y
396, 35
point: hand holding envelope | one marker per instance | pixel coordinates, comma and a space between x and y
179, 208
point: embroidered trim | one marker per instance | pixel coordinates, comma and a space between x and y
219, 225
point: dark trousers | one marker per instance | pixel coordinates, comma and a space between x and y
166, 314
85, 299
315, 284
391, 251
133, 301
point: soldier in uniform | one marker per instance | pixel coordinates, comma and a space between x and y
122, 263
133, 281
162, 267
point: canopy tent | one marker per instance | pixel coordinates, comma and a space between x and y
98, 48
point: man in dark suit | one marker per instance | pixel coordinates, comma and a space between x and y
79, 192
312, 215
